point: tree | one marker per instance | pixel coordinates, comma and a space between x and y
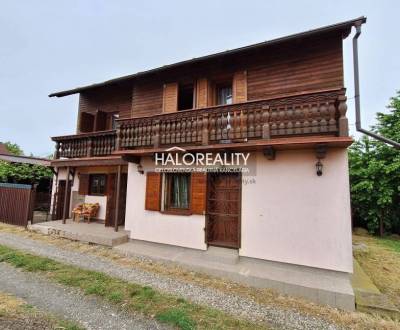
14, 148
375, 175
21, 173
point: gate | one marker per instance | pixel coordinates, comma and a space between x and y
16, 203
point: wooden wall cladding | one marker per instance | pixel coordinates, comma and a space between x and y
307, 67
116, 98
147, 99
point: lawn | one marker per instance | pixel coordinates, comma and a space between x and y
165, 308
381, 262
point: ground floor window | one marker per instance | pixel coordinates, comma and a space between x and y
177, 191
97, 184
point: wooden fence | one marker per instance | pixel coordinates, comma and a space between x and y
16, 203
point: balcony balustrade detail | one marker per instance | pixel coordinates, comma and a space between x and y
310, 114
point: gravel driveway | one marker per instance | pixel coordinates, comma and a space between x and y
232, 304
88, 311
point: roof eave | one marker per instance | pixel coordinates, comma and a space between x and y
338, 26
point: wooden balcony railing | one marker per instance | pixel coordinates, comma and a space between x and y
311, 114
85, 145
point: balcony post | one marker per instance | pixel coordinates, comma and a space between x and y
204, 134
266, 132
343, 121
89, 147
118, 138
156, 134
57, 151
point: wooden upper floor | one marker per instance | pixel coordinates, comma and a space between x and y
287, 87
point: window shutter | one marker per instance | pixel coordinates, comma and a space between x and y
101, 121
153, 191
83, 184
170, 98
198, 193
202, 93
86, 122
240, 87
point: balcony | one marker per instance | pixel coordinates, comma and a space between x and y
94, 144
316, 114
310, 115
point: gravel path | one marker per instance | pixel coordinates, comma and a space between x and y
232, 304
88, 311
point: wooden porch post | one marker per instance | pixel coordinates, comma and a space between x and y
66, 197
117, 198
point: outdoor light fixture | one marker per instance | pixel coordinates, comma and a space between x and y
140, 169
319, 166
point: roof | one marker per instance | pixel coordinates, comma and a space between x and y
10, 158
342, 26
3, 149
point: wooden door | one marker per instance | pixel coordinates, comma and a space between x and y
60, 199
111, 199
223, 209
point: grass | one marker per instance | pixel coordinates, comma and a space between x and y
381, 262
15, 313
165, 308
266, 297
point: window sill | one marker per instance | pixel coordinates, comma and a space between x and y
177, 212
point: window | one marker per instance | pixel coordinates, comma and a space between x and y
97, 184
186, 96
177, 191
224, 93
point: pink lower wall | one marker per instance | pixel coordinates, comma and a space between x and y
292, 215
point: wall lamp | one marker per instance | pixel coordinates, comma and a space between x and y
320, 152
140, 169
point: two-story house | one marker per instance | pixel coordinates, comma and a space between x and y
281, 102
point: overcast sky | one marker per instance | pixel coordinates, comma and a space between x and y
47, 46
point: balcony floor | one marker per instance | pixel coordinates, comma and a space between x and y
85, 232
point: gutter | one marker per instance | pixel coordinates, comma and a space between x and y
357, 93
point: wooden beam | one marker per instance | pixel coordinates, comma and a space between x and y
66, 196
131, 159
117, 198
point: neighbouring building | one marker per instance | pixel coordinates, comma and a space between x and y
282, 101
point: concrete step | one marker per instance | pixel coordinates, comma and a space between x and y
222, 255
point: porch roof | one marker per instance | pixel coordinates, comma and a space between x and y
90, 161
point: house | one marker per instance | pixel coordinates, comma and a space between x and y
276, 109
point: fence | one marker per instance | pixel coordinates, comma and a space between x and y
16, 203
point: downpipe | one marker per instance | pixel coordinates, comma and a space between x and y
357, 93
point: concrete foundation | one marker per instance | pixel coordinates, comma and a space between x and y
86, 232
317, 285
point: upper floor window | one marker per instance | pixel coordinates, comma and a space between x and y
114, 117
224, 93
186, 96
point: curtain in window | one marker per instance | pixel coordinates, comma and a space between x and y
180, 191
225, 95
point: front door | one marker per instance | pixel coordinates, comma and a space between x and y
223, 209
111, 199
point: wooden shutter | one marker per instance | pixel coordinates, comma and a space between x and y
198, 193
153, 191
83, 184
86, 122
240, 87
170, 98
101, 121
202, 93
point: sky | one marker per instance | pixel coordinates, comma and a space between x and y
47, 46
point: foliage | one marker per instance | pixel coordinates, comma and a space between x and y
14, 148
375, 174
21, 173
